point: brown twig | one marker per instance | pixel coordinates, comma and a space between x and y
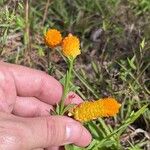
45, 12
27, 30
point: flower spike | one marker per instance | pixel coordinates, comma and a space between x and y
90, 110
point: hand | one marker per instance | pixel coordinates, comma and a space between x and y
26, 97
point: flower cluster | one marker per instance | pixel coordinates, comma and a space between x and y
90, 110
52, 38
70, 44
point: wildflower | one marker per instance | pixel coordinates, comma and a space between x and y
71, 46
90, 110
52, 38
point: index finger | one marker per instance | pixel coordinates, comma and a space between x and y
30, 82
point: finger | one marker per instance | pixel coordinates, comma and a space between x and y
73, 98
56, 131
31, 107
34, 83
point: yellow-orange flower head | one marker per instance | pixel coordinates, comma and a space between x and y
71, 46
90, 110
52, 38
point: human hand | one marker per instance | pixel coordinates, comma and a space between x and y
26, 97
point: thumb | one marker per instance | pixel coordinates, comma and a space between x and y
56, 131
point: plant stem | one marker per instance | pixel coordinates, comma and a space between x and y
46, 11
66, 86
27, 27
48, 61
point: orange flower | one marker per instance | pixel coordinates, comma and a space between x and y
90, 110
71, 46
52, 38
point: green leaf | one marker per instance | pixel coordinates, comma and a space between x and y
131, 62
57, 110
94, 65
73, 147
74, 88
142, 44
68, 107
126, 123
62, 80
86, 84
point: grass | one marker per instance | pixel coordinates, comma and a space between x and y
115, 42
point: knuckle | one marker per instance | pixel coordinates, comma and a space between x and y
55, 131
41, 84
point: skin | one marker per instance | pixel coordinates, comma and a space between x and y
26, 97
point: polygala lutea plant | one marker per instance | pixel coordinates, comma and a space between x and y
87, 110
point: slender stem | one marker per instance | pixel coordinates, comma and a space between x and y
27, 38
48, 61
27, 26
67, 85
46, 11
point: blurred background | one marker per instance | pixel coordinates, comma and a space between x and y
115, 59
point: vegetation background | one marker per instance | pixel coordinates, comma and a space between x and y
115, 59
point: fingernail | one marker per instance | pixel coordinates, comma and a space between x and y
72, 131
77, 134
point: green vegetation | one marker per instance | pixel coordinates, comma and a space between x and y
115, 59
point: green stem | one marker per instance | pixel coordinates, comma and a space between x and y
66, 86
